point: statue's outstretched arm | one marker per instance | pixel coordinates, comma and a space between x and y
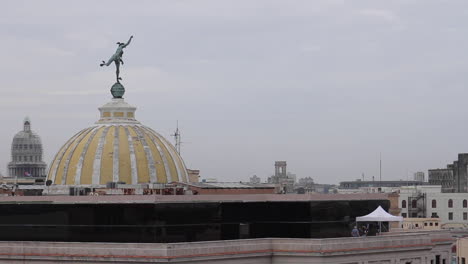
128, 42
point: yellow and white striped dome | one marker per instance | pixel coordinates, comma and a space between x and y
117, 149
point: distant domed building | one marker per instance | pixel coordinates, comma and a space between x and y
117, 148
26, 154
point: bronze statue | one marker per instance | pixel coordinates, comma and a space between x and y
117, 58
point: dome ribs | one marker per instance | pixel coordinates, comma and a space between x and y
97, 158
79, 166
133, 164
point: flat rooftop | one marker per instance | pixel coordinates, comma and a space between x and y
229, 185
117, 199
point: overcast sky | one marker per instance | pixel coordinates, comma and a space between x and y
324, 85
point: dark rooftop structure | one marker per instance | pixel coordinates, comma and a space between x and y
181, 218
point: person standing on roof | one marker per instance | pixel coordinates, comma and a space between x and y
355, 232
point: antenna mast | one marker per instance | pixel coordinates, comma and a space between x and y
176, 136
380, 170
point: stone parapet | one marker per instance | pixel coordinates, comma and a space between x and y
418, 246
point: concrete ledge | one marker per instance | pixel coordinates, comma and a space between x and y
420, 243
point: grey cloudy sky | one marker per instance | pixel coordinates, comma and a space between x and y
325, 85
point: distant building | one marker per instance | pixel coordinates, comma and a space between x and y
460, 173
255, 179
359, 183
443, 177
457, 179
193, 175
307, 185
282, 178
462, 250
229, 188
291, 176
419, 176
209, 180
26, 155
307, 181
430, 201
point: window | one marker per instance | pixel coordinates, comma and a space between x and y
465, 216
404, 215
414, 214
436, 224
434, 203
465, 203
434, 215
450, 203
19, 157
463, 261
450, 216
430, 224
414, 204
425, 224
403, 204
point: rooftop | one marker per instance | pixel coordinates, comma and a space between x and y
116, 199
229, 185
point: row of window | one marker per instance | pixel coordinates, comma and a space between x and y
27, 158
434, 203
26, 146
434, 215
417, 224
450, 215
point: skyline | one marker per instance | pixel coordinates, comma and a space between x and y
326, 85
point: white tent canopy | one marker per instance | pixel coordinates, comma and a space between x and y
379, 215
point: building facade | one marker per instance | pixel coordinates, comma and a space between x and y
454, 178
442, 177
432, 247
421, 223
419, 176
431, 202
26, 154
462, 251
460, 173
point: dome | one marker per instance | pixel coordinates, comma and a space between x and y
27, 136
26, 154
117, 148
